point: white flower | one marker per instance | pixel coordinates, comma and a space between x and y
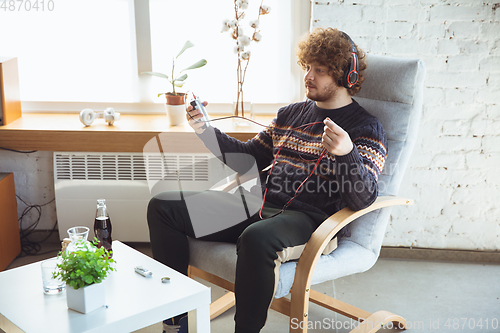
244, 40
257, 36
239, 48
254, 24
264, 9
240, 31
232, 24
245, 55
225, 27
243, 4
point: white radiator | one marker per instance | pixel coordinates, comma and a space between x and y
127, 181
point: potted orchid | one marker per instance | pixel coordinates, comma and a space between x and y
237, 32
175, 100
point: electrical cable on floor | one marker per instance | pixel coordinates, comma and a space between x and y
20, 151
30, 247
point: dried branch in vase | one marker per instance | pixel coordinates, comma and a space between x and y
243, 41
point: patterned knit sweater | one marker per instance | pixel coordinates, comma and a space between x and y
337, 182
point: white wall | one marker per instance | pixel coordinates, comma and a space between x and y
454, 174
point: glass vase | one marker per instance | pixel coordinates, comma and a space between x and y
245, 112
78, 237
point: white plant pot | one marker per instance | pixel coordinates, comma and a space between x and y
176, 114
86, 299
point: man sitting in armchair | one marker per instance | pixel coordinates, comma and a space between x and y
325, 154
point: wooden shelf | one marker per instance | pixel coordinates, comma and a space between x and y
64, 132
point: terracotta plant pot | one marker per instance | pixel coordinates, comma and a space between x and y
177, 99
176, 109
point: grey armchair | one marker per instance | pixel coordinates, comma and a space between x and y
392, 92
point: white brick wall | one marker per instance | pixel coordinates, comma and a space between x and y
454, 175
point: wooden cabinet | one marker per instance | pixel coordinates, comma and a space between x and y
10, 240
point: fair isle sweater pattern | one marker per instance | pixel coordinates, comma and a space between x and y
338, 181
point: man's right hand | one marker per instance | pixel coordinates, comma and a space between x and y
192, 116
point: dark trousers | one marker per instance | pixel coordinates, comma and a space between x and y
262, 245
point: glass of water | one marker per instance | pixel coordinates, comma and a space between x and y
51, 286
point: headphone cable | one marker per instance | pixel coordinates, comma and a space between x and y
296, 194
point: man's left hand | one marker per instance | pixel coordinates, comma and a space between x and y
336, 141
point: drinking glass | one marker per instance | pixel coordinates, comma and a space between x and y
78, 236
51, 286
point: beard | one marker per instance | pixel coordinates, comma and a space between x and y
320, 94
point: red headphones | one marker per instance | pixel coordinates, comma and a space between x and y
351, 75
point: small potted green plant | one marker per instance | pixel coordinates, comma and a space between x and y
84, 271
176, 100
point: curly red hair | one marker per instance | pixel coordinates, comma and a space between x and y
328, 47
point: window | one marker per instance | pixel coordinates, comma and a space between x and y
269, 77
80, 51
92, 51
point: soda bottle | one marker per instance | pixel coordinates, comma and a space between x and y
102, 225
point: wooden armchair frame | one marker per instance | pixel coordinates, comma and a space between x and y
301, 292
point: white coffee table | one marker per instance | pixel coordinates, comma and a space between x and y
133, 302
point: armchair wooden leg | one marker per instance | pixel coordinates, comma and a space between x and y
281, 305
196, 272
299, 309
221, 305
377, 320
338, 306
370, 322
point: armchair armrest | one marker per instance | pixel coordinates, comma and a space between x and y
331, 226
320, 238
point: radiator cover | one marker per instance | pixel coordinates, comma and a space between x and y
127, 181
